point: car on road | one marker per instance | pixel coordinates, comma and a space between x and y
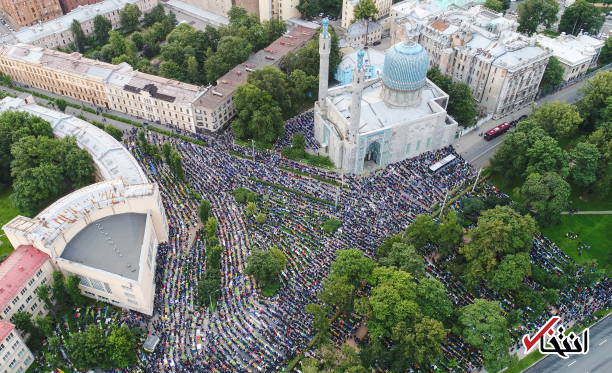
497, 131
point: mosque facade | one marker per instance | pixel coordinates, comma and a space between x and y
374, 122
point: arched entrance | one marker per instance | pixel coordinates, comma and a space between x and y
372, 155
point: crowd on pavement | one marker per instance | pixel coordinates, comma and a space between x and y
249, 332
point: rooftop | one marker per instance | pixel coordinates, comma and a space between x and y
213, 18
82, 14
362, 26
111, 244
426, 8
112, 159
372, 57
17, 269
571, 49
5, 329
376, 114
228, 83
158, 87
49, 224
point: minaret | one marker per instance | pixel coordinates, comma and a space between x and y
358, 80
324, 49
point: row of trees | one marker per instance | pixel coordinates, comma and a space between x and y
580, 16
171, 156
533, 158
209, 287
40, 167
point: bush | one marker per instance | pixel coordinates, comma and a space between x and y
88, 109
244, 195
121, 119
331, 225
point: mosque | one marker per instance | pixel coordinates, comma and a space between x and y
372, 123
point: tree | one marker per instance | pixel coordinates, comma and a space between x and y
276, 83
266, 266
595, 100
61, 104
353, 265
193, 71
234, 50
365, 9
472, 206
422, 231
122, 344
406, 258
211, 227
584, 164
23, 322
558, 119
59, 290
384, 249
511, 272
462, 105
216, 67
605, 56
303, 88
494, 5
500, 231
433, 300
533, 13
449, 233
338, 293
308, 8
88, 349
43, 292
423, 344
321, 323
546, 196
553, 74
45, 324
258, 117
102, 26
545, 155
78, 35
129, 17
156, 14
581, 16
71, 285
170, 70
485, 328
307, 57
261, 218
204, 210
37, 187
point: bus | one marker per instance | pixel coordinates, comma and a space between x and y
497, 130
442, 163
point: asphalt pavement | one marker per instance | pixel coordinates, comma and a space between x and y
478, 151
597, 360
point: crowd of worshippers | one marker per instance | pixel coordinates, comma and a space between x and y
247, 331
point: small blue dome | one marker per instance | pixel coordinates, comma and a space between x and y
405, 67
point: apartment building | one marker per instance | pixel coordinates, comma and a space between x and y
23, 13
575, 53
21, 273
348, 8
69, 5
264, 10
215, 108
15, 356
57, 33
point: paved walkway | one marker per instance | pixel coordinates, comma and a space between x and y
587, 213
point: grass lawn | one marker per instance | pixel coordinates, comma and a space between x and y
592, 230
590, 202
7, 212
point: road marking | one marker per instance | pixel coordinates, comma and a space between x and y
485, 152
602, 342
572, 363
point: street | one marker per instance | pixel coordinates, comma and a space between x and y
598, 359
476, 150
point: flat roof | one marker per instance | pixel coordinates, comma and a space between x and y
112, 244
17, 269
571, 49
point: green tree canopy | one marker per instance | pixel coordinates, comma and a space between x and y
595, 104
102, 26
461, 103
78, 35
129, 17
365, 9
584, 161
433, 300
421, 231
485, 328
511, 272
204, 210
605, 56
405, 257
545, 195
353, 265
581, 16
558, 119
494, 5
276, 83
258, 117
533, 13
553, 74
266, 265
450, 233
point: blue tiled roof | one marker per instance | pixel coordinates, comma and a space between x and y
405, 67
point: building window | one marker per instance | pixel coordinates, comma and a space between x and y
418, 145
408, 148
428, 142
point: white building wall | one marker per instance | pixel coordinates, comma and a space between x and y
15, 356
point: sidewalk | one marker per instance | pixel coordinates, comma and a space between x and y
586, 213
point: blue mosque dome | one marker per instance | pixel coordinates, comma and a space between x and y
405, 67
